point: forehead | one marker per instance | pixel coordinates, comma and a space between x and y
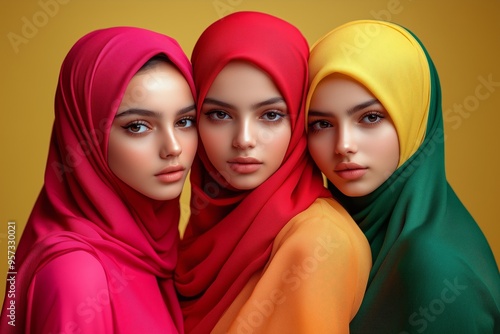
156, 88
339, 92
157, 74
242, 79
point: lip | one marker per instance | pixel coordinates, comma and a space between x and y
171, 174
350, 171
245, 165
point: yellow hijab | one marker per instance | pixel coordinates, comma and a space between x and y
356, 49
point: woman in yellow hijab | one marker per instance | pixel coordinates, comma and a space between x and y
375, 130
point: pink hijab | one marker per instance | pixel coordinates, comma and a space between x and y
82, 205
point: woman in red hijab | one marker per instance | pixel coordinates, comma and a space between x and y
98, 252
265, 249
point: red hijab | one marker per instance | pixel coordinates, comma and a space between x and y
83, 205
230, 233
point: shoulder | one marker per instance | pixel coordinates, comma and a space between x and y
325, 224
439, 263
70, 292
326, 213
78, 272
327, 235
438, 275
322, 258
424, 251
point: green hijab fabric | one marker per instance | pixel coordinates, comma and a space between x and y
433, 270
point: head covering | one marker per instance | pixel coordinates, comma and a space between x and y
83, 205
351, 58
230, 233
429, 255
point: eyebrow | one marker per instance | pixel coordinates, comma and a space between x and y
150, 113
350, 111
258, 105
267, 102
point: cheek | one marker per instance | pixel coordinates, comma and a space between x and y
276, 140
389, 150
281, 138
189, 142
127, 155
312, 146
320, 146
210, 134
117, 153
213, 143
266, 134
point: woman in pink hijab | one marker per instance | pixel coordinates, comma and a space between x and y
100, 246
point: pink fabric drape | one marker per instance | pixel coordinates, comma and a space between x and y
83, 206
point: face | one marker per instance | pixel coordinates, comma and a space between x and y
351, 136
244, 125
153, 137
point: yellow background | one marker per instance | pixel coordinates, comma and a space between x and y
461, 36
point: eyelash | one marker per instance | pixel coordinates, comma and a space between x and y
372, 113
211, 115
188, 118
277, 113
139, 123
136, 123
313, 125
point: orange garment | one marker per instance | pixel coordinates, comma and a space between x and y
313, 282
230, 234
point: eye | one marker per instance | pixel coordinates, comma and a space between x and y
273, 116
217, 115
186, 122
372, 117
137, 127
319, 125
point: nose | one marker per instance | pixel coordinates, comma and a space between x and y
245, 136
345, 141
170, 145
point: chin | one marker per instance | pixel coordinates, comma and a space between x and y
354, 192
240, 186
165, 195
360, 193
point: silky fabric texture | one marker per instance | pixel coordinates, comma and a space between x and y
230, 233
314, 281
433, 270
82, 205
346, 51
